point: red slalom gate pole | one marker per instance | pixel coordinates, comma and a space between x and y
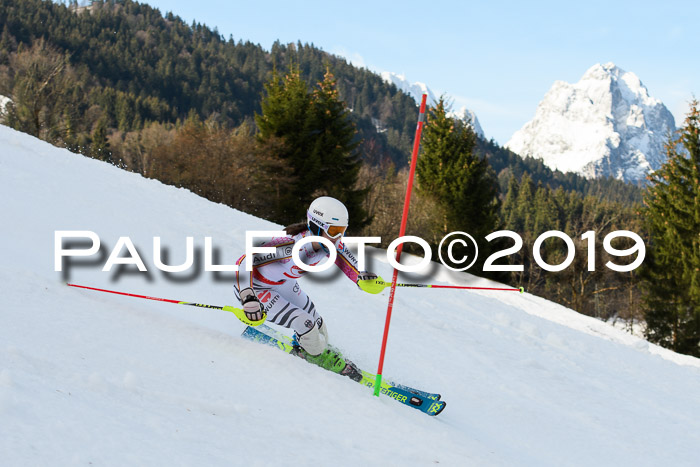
402, 231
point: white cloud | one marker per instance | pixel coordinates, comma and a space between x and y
352, 57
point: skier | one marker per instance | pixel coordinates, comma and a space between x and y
271, 290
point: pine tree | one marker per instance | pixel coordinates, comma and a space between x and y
463, 183
546, 215
285, 116
672, 272
319, 142
508, 208
524, 206
99, 149
335, 143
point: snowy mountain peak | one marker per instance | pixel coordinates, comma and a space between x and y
628, 83
607, 124
468, 115
602, 70
417, 89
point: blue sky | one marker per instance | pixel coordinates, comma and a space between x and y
497, 58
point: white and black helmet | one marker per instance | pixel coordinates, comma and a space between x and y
326, 214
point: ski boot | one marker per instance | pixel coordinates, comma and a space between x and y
330, 359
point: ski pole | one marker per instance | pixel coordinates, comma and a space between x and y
435, 286
239, 313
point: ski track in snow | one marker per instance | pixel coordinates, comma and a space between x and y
88, 377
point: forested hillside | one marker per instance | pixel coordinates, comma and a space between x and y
130, 65
122, 65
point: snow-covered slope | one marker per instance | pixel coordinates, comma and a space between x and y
607, 124
417, 89
98, 379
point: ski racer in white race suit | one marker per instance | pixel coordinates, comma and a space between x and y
271, 289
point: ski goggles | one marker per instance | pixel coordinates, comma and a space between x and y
335, 231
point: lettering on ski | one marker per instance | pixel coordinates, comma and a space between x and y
395, 395
368, 380
427, 403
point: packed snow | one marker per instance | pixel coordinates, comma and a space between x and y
89, 378
607, 124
